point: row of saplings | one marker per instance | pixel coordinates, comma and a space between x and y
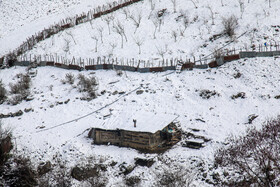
245, 161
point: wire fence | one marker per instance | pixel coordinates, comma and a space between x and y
67, 23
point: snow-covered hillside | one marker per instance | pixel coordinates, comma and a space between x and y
181, 31
56, 120
216, 117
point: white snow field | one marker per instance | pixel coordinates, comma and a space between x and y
57, 127
163, 94
192, 38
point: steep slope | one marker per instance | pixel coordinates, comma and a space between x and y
165, 32
43, 133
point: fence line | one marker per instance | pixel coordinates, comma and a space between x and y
159, 65
67, 23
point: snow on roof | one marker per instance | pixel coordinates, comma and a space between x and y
145, 121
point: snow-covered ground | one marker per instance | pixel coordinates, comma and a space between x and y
163, 93
22, 19
192, 26
55, 128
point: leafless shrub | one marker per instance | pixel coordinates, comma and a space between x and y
132, 181
252, 159
22, 85
17, 98
5, 144
69, 78
207, 94
241, 95
99, 181
119, 72
237, 75
174, 174
230, 24
19, 172
88, 84
3, 92
20, 89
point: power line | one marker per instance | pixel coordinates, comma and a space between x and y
79, 118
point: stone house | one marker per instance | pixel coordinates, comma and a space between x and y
147, 132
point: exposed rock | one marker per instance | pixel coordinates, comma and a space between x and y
27, 110
126, 169
81, 173
251, 118
44, 168
206, 94
144, 162
138, 92
241, 95
18, 113
277, 97
121, 93
193, 144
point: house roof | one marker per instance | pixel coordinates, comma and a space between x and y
145, 121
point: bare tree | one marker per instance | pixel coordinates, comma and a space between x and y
156, 24
212, 14
269, 3
126, 12
119, 29
113, 46
108, 20
96, 42
174, 2
71, 35
185, 22
194, 3
230, 24
241, 6
162, 51
67, 45
174, 35
100, 31
139, 42
252, 159
136, 20
153, 5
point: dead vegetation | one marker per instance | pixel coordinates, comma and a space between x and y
171, 173
88, 85
229, 25
241, 95
20, 90
207, 94
253, 159
3, 92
